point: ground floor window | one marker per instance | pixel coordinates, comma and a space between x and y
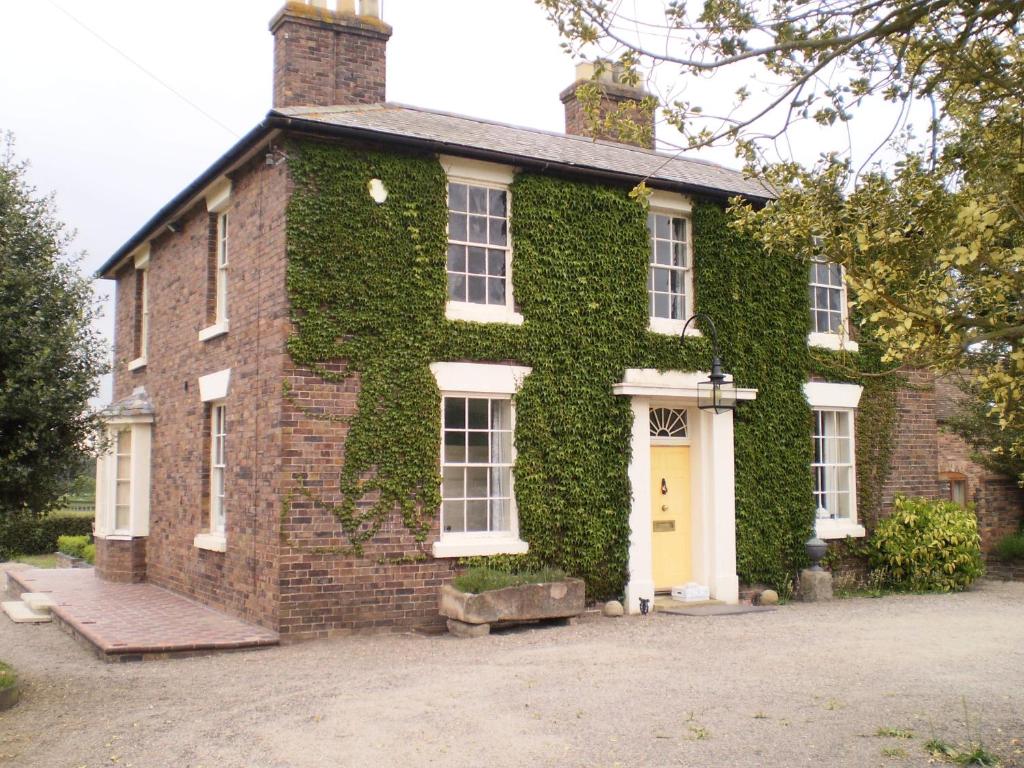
476, 487
833, 465
218, 466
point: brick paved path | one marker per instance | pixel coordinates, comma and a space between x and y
129, 621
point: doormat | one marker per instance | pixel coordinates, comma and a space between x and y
714, 610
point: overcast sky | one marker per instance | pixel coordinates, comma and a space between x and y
115, 145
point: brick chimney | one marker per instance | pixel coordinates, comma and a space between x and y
616, 98
325, 57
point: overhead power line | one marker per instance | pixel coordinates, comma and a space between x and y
142, 69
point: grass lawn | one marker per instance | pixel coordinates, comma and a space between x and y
7, 678
38, 561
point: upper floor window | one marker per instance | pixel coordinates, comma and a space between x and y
479, 265
140, 340
218, 200
828, 297
669, 280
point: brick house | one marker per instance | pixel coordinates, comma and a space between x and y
213, 421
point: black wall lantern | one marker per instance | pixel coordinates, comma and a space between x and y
716, 394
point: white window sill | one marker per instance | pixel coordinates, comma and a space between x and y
138, 362
833, 341
669, 327
214, 542
839, 529
479, 546
482, 313
114, 536
215, 330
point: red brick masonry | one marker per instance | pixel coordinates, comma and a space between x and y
121, 560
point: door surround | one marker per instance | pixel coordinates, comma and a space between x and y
712, 473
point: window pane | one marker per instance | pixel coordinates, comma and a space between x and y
122, 518
457, 197
661, 227
663, 252
496, 263
453, 516
457, 287
661, 280
478, 413
661, 308
501, 518
476, 482
124, 493
497, 202
457, 226
501, 414
496, 290
679, 254
477, 290
676, 307
477, 200
479, 450
476, 515
679, 229
501, 447
455, 447
454, 412
499, 231
124, 442
124, 467
477, 262
478, 229
453, 483
456, 258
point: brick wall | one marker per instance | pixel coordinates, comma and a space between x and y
121, 560
243, 580
322, 58
324, 591
915, 457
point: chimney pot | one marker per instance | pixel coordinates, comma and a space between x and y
370, 8
347, 7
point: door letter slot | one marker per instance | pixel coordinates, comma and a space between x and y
664, 526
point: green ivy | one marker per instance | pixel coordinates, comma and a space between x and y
367, 286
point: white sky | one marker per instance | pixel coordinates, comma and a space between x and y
115, 145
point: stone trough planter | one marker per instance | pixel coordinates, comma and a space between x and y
68, 561
471, 615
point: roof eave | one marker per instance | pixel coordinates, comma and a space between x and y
321, 128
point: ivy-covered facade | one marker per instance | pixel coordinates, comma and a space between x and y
376, 344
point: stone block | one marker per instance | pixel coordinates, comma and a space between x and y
462, 629
527, 602
815, 586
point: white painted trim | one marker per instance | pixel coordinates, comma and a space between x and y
214, 542
822, 395
454, 545
214, 386
461, 169
671, 202
106, 478
218, 195
839, 529
138, 362
215, 330
483, 313
650, 382
671, 327
479, 378
833, 341
141, 256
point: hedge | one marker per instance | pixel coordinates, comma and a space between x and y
25, 535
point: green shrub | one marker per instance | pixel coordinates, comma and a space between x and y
89, 554
477, 580
927, 546
1011, 547
28, 535
72, 545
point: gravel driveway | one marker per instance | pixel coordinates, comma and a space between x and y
805, 685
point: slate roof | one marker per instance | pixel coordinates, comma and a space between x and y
398, 121
135, 404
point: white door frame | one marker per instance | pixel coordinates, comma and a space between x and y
712, 467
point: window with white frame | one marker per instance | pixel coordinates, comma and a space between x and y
476, 465
143, 347
833, 465
123, 481
221, 277
218, 466
669, 278
478, 244
827, 297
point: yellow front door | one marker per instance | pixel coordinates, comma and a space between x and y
670, 515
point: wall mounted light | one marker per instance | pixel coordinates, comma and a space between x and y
718, 393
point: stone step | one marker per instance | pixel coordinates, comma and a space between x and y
40, 602
22, 614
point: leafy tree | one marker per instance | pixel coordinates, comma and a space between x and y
50, 357
993, 445
933, 240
